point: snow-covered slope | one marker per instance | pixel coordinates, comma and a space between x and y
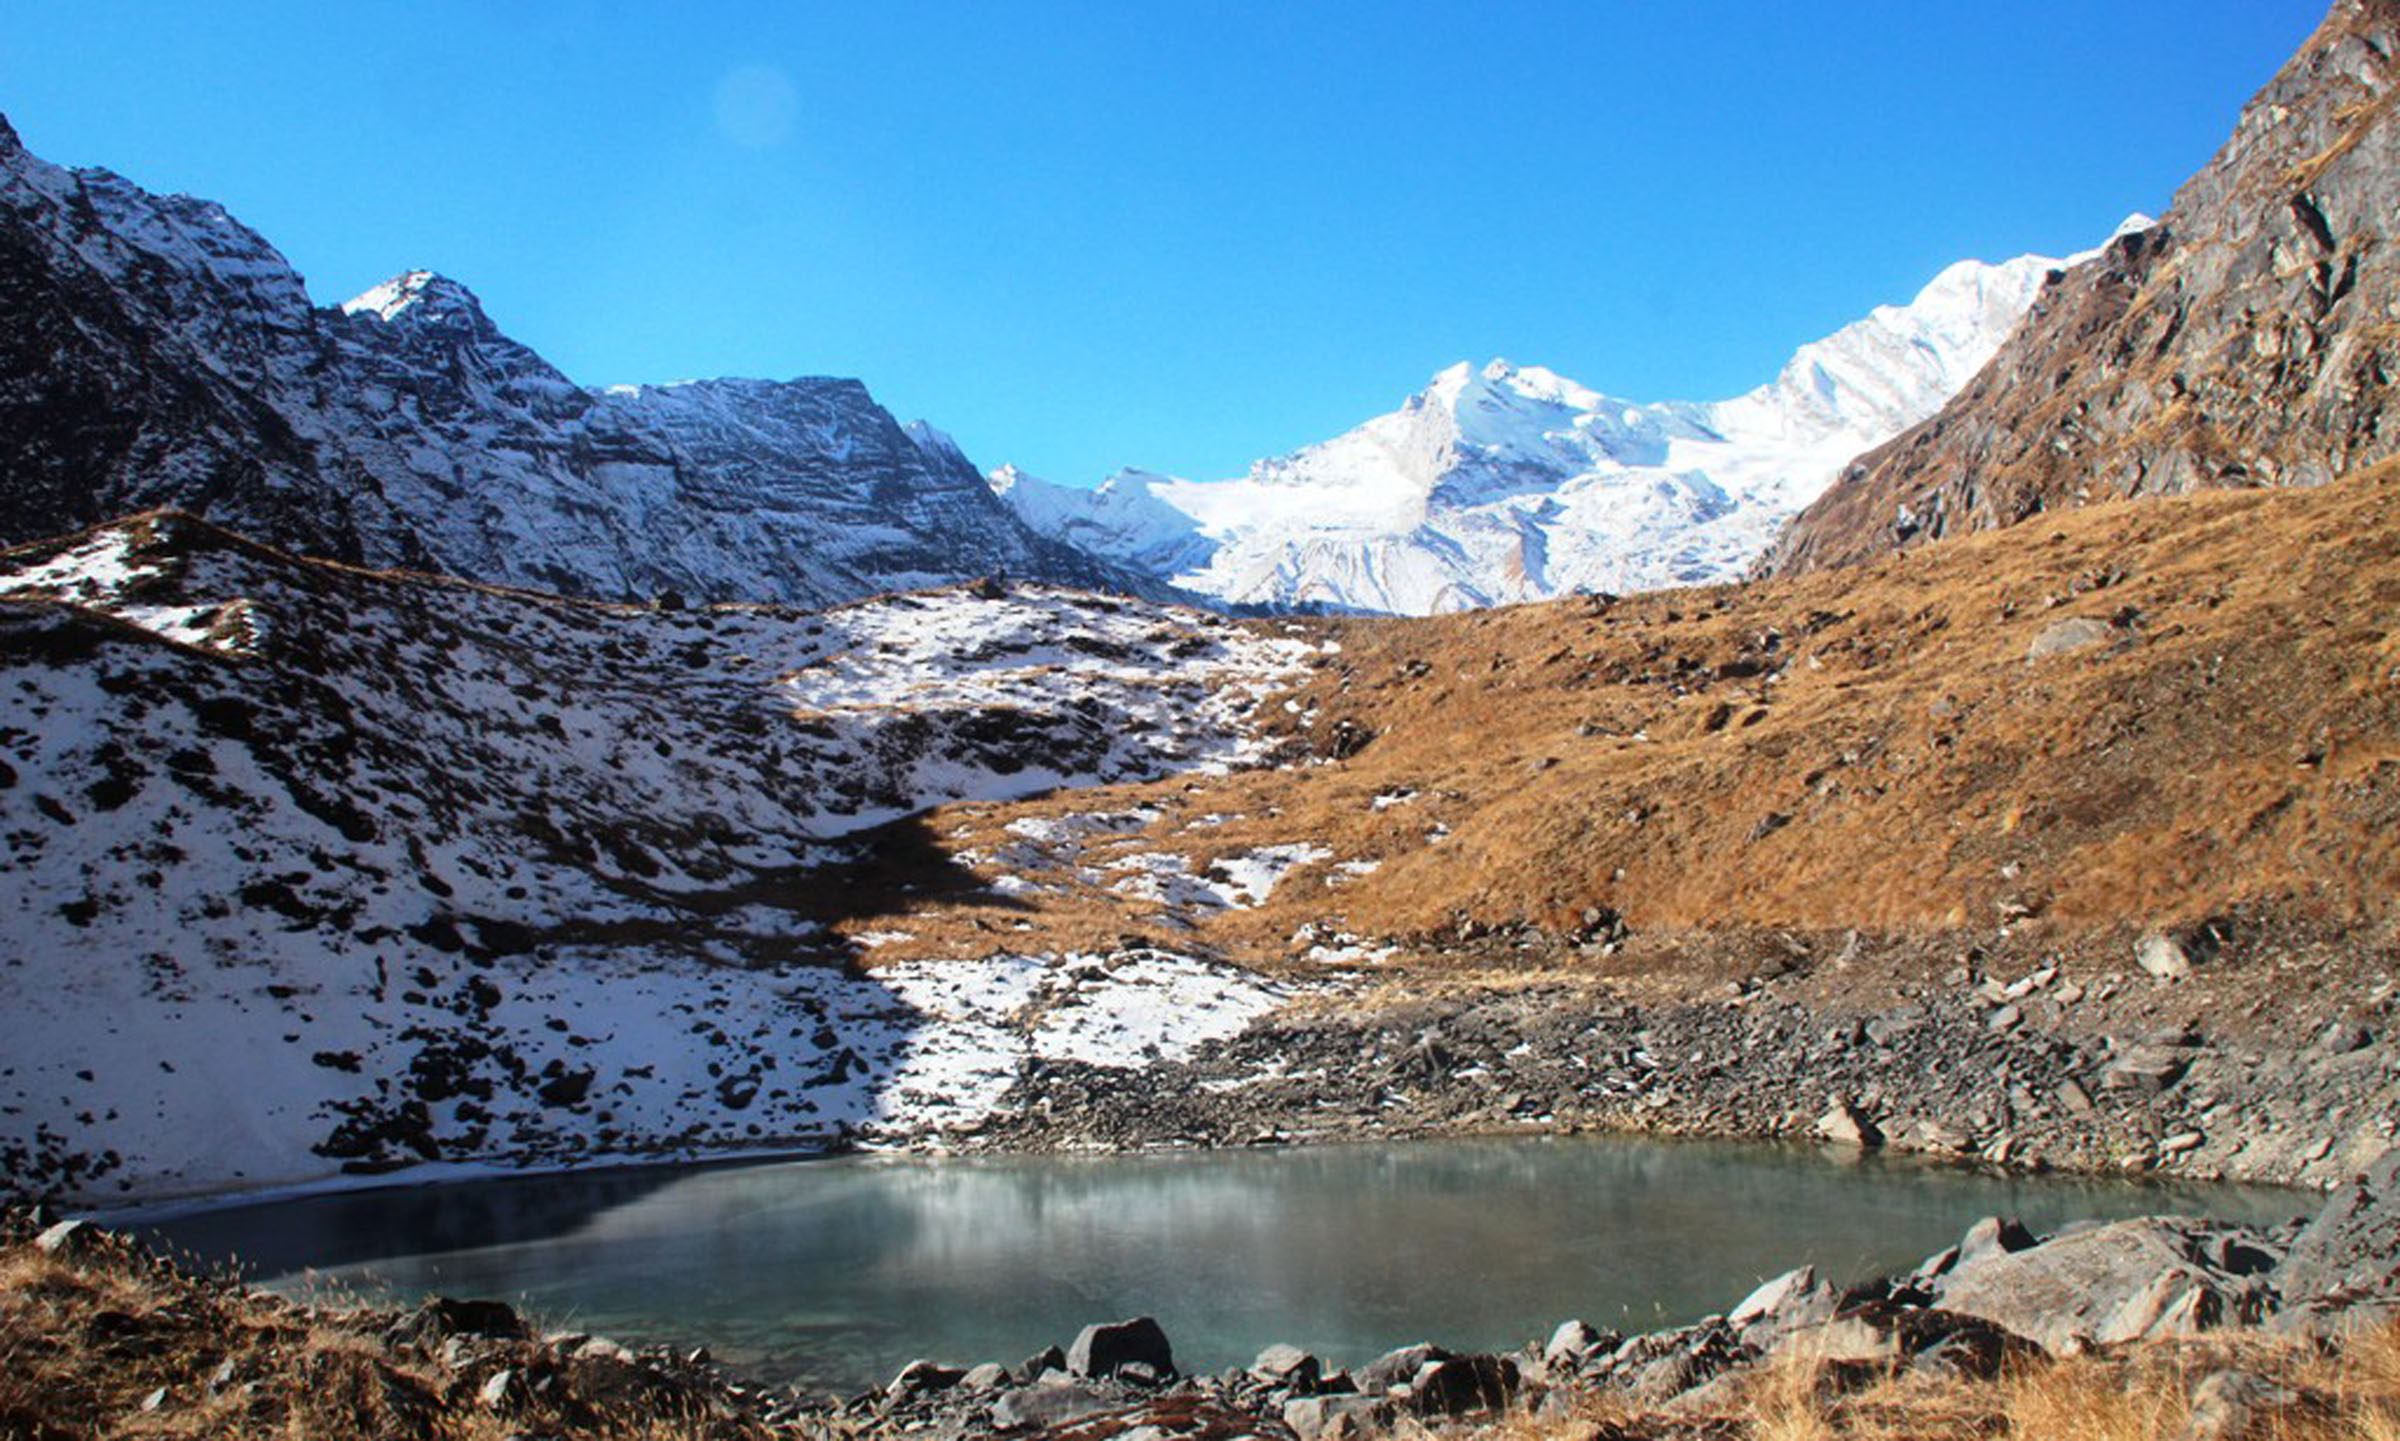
1512, 483
310, 869
154, 351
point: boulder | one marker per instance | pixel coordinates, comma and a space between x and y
1288, 1367
920, 1377
1881, 1336
1793, 1299
1993, 1236
446, 1316
2126, 1281
1575, 1343
2349, 1253
1458, 1385
2065, 637
1846, 1125
1105, 1350
2240, 1405
2149, 1068
1332, 1418
1398, 1368
2162, 957
1050, 1358
1048, 1403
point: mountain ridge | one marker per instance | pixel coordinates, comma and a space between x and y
1503, 483
154, 351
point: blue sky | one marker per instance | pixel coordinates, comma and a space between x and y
1181, 236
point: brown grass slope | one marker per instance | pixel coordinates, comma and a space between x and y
1878, 748
2252, 338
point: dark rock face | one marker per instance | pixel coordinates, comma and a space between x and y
156, 352
2243, 341
1112, 1350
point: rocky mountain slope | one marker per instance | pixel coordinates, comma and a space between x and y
310, 867
1510, 484
2246, 340
156, 352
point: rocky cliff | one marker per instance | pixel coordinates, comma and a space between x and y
2249, 339
154, 351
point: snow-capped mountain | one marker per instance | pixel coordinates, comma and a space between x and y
311, 869
1512, 483
154, 351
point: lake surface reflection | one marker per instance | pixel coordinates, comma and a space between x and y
836, 1272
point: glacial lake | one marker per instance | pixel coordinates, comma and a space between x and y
833, 1273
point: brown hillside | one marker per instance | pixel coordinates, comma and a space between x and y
2251, 338
1884, 748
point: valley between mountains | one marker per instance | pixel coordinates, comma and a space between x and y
416, 765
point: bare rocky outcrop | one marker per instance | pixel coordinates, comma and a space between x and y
2245, 340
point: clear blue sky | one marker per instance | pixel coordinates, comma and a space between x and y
1182, 236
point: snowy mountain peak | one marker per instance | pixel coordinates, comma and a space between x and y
419, 294
1503, 482
937, 445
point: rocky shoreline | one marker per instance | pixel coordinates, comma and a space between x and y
2028, 1061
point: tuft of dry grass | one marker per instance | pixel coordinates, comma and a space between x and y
2346, 1390
114, 1343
